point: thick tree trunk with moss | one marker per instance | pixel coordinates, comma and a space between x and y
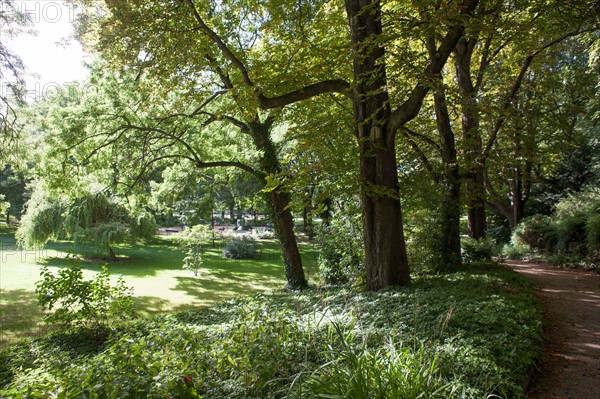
278, 202
386, 262
284, 227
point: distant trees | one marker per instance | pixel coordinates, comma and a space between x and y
13, 188
497, 120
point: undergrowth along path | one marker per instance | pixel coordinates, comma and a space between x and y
570, 368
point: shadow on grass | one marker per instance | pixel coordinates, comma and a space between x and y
147, 306
214, 286
20, 316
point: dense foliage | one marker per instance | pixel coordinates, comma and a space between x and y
341, 252
474, 333
570, 236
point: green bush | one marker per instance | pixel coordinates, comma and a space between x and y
478, 250
592, 227
569, 237
244, 247
515, 251
341, 251
91, 303
534, 232
577, 220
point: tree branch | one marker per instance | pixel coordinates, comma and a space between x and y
222, 46
315, 89
517, 86
410, 108
407, 133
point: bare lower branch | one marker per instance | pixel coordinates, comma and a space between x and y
313, 90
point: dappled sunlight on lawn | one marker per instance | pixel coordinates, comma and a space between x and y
153, 270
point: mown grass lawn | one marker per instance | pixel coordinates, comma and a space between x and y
153, 270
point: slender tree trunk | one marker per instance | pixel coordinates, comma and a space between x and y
386, 262
326, 214
474, 185
307, 221
307, 213
450, 255
232, 218
111, 254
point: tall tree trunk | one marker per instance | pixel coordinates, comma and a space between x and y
450, 255
474, 185
278, 201
476, 215
386, 262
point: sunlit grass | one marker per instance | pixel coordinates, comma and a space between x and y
153, 270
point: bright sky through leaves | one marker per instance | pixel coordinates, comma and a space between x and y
51, 55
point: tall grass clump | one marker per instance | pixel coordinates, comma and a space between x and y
353, 370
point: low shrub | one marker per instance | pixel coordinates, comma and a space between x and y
477, 250
265, 234
534, 232
90, 303
592, 227
244, 247
341, 251
571, 236
516, 251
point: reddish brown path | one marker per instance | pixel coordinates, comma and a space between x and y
571, 365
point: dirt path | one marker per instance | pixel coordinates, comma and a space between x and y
571, 365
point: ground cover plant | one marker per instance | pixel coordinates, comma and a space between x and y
470, 334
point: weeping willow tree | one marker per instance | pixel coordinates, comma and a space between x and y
92, 218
